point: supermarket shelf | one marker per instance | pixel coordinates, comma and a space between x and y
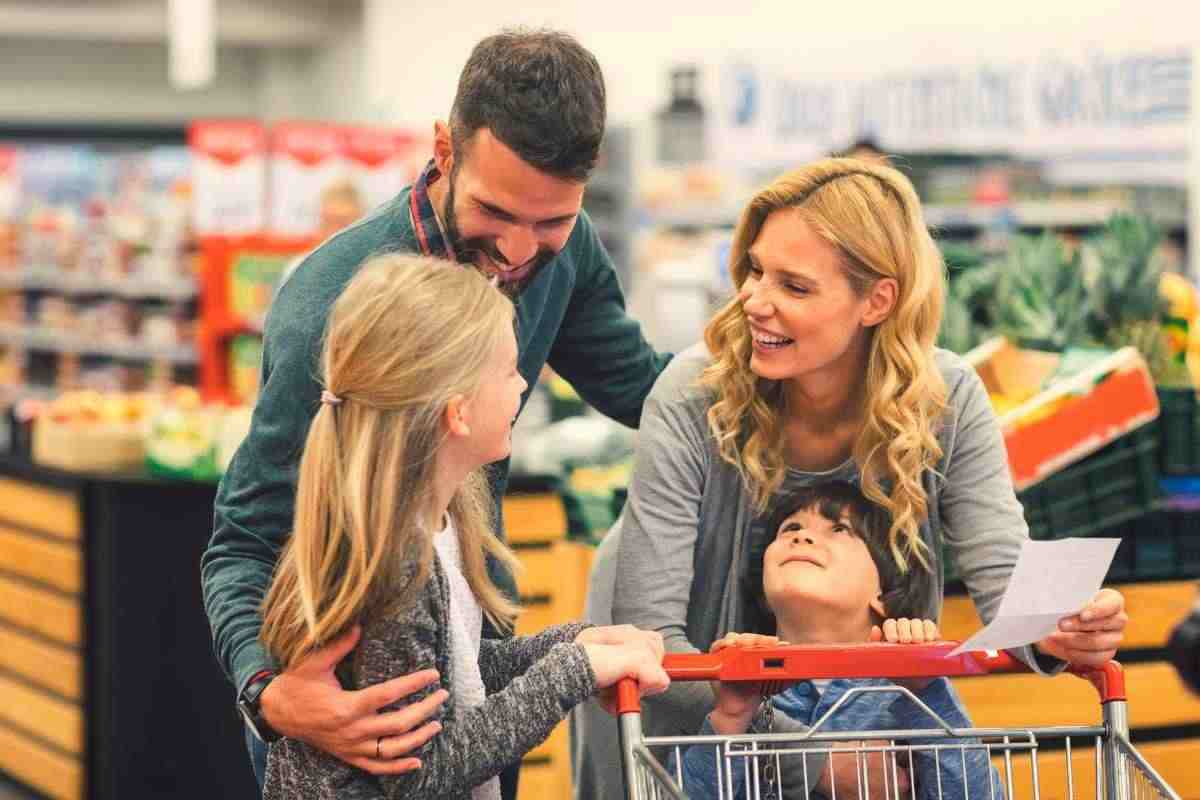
1081, 214
132, 288
68, 343
716, 215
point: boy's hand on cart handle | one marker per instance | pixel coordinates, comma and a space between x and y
907, 631
732, 639
1091, 637
307, 703
737, 701
613, 662
623, 635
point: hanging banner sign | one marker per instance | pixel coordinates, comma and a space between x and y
1096, 104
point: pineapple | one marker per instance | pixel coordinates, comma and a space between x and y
1041, 298
966, 320
1125, 282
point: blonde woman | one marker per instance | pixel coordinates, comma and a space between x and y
821, 368
391, 535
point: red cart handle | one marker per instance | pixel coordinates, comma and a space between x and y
791, 663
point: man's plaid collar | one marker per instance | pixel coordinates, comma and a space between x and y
424, 218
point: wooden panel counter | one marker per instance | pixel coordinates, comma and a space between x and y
108, 683
1164, 716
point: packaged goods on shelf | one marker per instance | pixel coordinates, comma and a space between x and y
98, 285
230, 176
245, 362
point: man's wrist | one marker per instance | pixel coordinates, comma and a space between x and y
250, 705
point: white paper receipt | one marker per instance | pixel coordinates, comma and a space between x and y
1052, 580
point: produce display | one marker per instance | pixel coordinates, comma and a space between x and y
1108, 291
172, 434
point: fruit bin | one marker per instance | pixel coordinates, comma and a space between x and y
1046, 430
1179, 431
102, 447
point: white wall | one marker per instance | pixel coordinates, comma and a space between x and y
77, 81
95, 61
59, 81
338, 75
401, 64
414, 50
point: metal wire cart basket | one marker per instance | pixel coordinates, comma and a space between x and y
1047, 762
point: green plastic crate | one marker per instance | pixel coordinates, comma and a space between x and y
1113, 492
1115, 485
1162, 546
1179, 431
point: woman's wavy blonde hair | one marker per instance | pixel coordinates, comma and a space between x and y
872, 217
406, 335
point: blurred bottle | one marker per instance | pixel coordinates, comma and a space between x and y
681, 138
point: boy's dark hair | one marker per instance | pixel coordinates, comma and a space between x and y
866, 142
540, 93
904, 594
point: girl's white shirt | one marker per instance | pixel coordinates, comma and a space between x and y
466, 628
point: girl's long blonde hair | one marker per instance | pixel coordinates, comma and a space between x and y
872, 217
406, 335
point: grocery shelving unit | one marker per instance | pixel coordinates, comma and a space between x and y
608, 200
95, 335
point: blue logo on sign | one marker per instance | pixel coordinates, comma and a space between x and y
743, 94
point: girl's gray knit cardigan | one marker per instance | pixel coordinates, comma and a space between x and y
532, 683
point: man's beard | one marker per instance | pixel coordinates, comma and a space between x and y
469, 251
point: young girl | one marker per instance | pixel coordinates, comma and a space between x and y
392, 533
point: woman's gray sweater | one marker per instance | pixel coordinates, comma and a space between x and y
532, 683
672, 563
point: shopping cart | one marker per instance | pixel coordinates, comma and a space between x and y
1045, 762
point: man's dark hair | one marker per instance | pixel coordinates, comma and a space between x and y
540, 93
904, 594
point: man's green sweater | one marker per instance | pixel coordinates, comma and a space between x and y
571, 316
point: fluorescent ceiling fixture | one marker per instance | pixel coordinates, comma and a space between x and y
191, 43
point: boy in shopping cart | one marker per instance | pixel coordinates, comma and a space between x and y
823, 573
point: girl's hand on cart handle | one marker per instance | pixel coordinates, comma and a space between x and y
613, 662
1091, 637
624, 635
907, 631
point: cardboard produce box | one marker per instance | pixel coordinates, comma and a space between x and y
1053, 415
